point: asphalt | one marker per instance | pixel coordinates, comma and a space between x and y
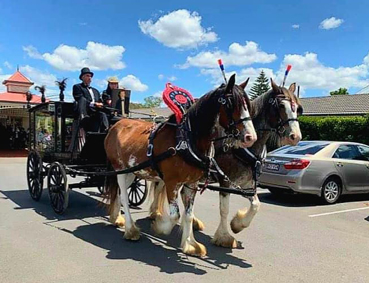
283, 244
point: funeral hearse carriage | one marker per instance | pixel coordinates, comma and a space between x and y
59, 147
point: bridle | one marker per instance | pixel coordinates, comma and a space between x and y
231, 129
280, 126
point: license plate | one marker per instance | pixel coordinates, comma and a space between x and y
272, 167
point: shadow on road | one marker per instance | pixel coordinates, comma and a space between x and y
304, 200
160, 251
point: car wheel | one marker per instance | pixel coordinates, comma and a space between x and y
331, 190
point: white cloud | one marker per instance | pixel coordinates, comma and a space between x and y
179, 29
331, 23
8, 65
133, 83
39, 77
96, 56
296, 26
238, 55
366, 59
308, 72
3, 78
170, 78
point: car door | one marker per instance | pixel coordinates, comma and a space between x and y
364, 151
350, 164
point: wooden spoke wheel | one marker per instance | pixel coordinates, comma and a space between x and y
35, 176
57, 184
137, 192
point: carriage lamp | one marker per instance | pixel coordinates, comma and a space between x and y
28, 98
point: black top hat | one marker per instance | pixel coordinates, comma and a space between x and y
85, 71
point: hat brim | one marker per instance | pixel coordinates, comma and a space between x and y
91, 73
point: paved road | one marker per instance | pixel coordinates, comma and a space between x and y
283, 244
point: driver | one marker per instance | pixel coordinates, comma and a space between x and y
89, 104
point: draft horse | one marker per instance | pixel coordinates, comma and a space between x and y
274, 115
126, 146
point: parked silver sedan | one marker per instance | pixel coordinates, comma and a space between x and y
324, 168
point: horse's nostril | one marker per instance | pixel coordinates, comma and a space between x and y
248, 137
292, 137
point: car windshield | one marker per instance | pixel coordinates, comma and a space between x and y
302, 148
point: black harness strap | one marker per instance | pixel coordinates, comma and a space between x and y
150, 149
169, 153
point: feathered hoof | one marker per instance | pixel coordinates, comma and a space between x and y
162, 225
198, 225
155, 214
132, 234
120, 222
236, 224
194, 249
225, 241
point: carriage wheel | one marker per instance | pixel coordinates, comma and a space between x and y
137, 192
57, 184
34, 175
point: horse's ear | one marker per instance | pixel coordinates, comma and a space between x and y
292, 88
275, 88
230, 84
244, 84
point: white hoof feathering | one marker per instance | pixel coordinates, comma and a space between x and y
194, 248
198, 225
224, 240
163, 225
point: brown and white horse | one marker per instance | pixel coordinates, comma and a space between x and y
126, 146
274, 115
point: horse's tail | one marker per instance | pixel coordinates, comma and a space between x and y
111, 188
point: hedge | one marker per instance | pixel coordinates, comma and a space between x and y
335, 128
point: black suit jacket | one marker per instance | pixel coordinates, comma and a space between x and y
80, 91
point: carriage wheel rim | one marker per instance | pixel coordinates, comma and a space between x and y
331, 191
58, 188
34, 176
137, 192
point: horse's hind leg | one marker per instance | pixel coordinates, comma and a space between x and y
198, 225
188, 244
243, 218
131, 231
164, 224
115, 216
222, 237
157, 205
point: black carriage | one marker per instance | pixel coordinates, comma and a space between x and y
58, 148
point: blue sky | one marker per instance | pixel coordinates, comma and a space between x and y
147, 43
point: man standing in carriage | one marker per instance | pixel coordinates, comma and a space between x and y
89, 104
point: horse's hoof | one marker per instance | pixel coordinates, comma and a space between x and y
236, 224
132, 234
198, 225
194, 249
225, 241
120, 222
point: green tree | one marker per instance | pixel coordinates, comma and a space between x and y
340, 91
152, 101
260, 86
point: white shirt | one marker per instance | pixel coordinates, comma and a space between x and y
92, 94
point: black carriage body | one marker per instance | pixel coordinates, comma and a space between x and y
54, 135
54, 152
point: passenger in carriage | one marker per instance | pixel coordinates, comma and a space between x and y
89, 104
113, 83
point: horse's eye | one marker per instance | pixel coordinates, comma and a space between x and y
281, 106
300, 110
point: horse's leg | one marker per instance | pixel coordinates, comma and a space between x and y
188, 244
157, 205
222, 237
131, 231
198, 225
244, 217
164, 224
115, 216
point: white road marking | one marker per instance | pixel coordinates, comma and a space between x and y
340, 211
